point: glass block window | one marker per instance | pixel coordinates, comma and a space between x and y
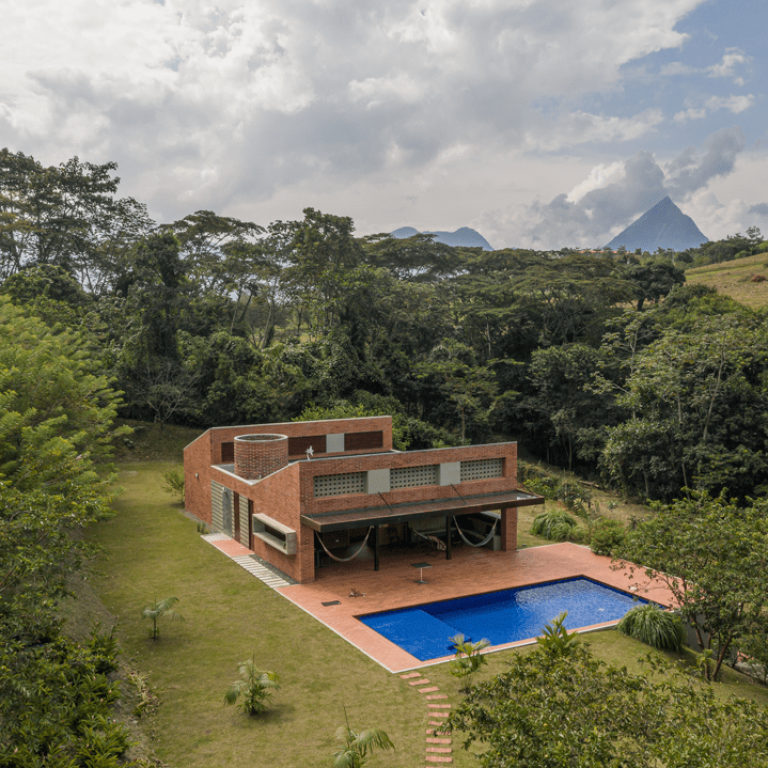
482, 469
338, 485
411, 477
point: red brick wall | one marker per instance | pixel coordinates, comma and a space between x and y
509, 529
508, 481
197, 482
278, 497
219, 435
259, 458
206, 450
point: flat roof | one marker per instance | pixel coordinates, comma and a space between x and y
340, 520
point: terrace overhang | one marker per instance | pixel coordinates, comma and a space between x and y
327, 522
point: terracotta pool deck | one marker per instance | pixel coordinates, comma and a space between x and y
470, 572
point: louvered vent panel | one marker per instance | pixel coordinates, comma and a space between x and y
482, 469
412, 477
339, 485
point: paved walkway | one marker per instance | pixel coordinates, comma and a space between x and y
244, 557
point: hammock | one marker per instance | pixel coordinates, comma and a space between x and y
484, 541
439, 544
344, 559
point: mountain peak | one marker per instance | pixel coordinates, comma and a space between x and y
463, 237
663, 226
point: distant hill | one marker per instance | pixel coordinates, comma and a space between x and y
663, 226
466, 237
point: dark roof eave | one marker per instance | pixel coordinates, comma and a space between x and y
327, 522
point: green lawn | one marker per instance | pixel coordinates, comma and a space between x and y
151, 551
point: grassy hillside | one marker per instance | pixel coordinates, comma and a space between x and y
734, 278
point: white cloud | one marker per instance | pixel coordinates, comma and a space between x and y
733, 59
598, 177
734, 104
209, 103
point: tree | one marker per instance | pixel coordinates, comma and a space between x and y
654, 279
712, 555
254, 686
157, 610
469, 387
65, 215
318, 251
56, 415
356, 746
568, 408
694, 395
574, 711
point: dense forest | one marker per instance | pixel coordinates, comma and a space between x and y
604, 363
210, 320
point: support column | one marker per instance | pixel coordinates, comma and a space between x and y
509, 529
375, 547
447, 537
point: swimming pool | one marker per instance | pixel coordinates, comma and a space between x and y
501, 617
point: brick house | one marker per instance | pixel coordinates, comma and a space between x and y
296, 493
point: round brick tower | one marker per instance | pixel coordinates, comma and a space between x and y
257, 456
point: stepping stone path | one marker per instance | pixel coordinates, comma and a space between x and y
439, 749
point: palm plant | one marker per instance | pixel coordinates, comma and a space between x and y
254, 686
155, 611
651, 625
468, 657
355, 747
554, 525
556, 641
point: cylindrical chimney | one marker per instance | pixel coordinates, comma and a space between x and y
257, 456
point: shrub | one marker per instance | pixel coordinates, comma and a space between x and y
605, 535
570, 492
754, 647
651, 625
554, 525
574, 496
174, 483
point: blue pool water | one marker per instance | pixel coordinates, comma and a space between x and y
501, 617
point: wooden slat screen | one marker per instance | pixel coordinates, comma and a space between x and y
297, 446
363, 441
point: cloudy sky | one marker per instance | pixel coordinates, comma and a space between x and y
540, 123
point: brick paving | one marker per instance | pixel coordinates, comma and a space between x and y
471, 571
444, 739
